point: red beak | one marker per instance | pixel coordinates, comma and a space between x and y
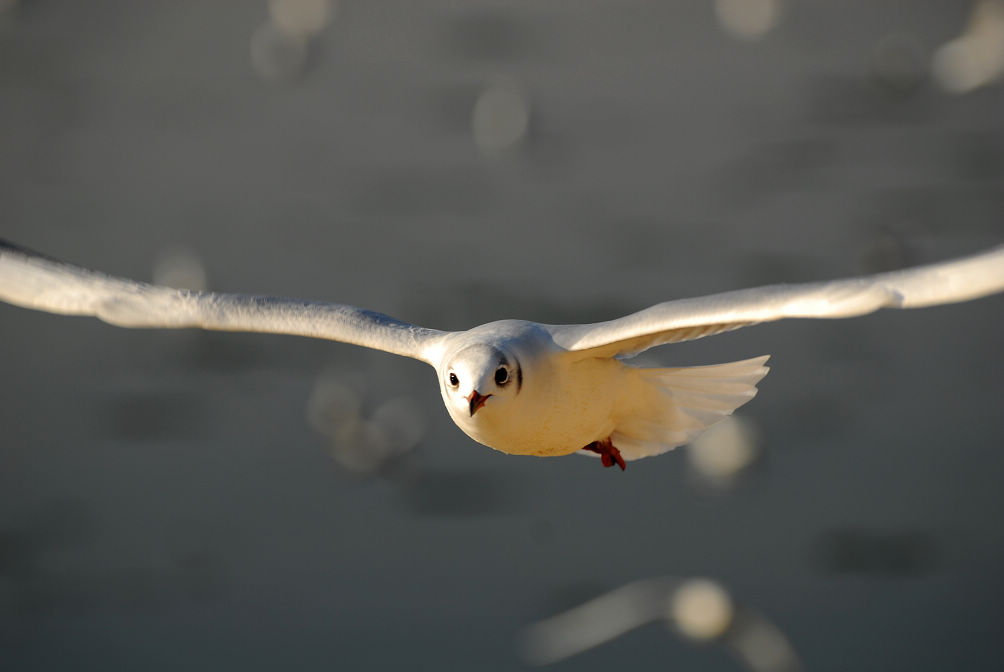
476, 400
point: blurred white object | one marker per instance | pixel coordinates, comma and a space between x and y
301, 18
280, 46
975, 58
181, 268
761, 645
597, 621
333, 405
748, 19
364, 444
401, 424
725, 450
501, 116
701, 609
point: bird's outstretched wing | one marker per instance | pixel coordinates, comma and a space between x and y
686, 319
33, 281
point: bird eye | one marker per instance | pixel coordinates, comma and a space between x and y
501, 375
454, 381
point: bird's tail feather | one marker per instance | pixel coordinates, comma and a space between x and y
683, 402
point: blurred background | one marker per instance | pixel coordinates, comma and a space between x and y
233, 501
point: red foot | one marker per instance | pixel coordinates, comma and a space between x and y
608, 453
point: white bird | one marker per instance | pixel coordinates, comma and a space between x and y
522, 387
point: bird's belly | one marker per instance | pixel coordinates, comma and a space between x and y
544, 440
570, 417
526, 434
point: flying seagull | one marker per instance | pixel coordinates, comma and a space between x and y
521, 387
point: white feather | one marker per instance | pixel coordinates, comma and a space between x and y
670, 407
565, 386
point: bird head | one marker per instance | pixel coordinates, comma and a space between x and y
479, 379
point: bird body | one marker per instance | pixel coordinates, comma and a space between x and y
564, 400
556, 403
521, 387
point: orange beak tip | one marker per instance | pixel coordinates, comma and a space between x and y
476, 400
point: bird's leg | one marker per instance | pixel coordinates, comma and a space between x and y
608, 453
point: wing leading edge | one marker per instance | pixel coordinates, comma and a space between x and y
686, 319
33, 281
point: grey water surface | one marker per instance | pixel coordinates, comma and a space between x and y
170, 500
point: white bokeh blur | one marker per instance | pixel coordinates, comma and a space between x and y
698, 609
362, 441
976, 57
701, 609
748, 19
181, 268
501, 116
302, 18
725, 451
280, 46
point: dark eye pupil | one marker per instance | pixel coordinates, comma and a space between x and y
454, 380
501, 375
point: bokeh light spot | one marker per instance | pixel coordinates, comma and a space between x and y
975, 58
501, 116
180, 268
701, 609
301, 18
748, 19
